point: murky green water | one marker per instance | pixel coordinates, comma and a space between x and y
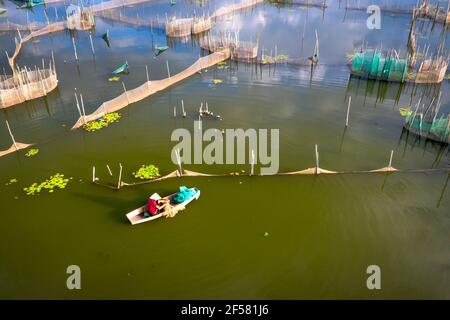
322, 232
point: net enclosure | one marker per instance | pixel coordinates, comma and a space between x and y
376, 65
437, 129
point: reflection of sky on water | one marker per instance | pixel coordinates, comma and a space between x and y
280, 28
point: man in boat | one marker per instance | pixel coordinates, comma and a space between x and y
156, 205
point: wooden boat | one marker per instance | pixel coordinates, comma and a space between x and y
122, 69
31, 4
159, 50
2, 11
105, 37
138, 215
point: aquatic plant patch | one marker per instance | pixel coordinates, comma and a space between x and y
102, 122
56, 181
11, 181
32, 152
147, 172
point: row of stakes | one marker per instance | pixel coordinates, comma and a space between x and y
252, 165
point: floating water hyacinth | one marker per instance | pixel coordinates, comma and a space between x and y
147, 172
103, 122
11, 181
55, 181
404, 112
32, 152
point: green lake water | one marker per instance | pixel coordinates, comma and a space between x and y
273, 237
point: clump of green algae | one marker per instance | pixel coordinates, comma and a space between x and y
102, 122
147, 172
55, 181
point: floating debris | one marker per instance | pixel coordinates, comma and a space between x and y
113, 79
55, 181
102, 122
404, 112
266, 234
11, 181
217, 81
32, 152
35, 41
147, 172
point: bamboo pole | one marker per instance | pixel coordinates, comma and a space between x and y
168, 71
82, 108
148, 78
92, 43
348, 110
109, 170
120, 176
252, 164
125, 90
317, 159
180, 169
390, 159
12, 137
78, 105
74, 48
182, 109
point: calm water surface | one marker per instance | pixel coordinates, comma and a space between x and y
321, 232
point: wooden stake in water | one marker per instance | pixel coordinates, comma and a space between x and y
12, 137
92, 43
78, 105
174, 111
93, 174
348, 110
74, 48
177, 155
120, 176
82, 108
168, 71
182, 109
148, 78
125, 90
317, 159
252, 163
109, 170
390, 159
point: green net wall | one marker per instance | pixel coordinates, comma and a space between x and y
376, 66
438, 129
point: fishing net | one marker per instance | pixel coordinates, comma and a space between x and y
374, 65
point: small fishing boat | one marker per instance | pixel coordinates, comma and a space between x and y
105, 37
122, 69
160, 49
2, 11
31, 4
173, 2
140, 215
